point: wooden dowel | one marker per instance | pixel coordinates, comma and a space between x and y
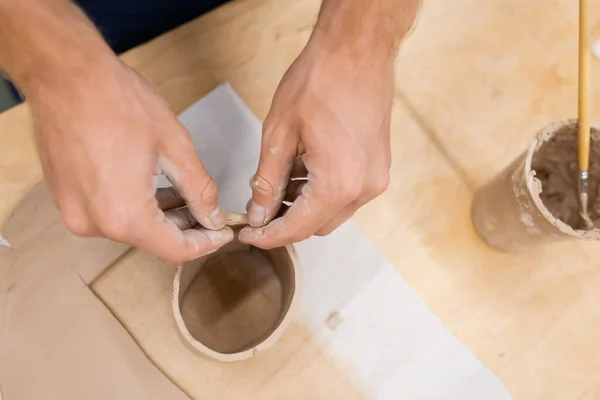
584, 85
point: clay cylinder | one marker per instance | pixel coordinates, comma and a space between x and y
235, 303
535, 200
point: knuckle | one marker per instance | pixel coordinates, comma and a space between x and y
323, 232
209, 192
328, 228
350, 179
380, 183
113, 225
178, 255
299, 236
269, 128
262, 186
349, 191
76, 222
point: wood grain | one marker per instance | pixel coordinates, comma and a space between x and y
480, 78
476, 80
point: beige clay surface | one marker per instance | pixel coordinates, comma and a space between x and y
233, 301
534, 202
237, 302
476, 80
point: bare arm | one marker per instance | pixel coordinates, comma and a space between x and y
366, 26
46, 42
333, 109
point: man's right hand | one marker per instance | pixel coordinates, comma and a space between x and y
103, 133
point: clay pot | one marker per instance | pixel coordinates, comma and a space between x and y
237, 302
508, 212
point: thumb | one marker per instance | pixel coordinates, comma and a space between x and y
277, 154
185, 171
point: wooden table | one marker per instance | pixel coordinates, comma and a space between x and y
475, 82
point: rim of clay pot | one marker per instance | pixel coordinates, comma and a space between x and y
534, 185
254, 349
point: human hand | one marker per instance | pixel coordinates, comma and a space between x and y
103, 133
332, 109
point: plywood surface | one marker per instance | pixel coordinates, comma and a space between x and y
354, 307
475, 81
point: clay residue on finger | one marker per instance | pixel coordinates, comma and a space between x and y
555, 166
250, 235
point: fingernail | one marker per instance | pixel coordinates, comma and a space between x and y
257, 215
251, 182
217, 218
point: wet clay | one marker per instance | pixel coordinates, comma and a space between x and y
235, 300
555, 165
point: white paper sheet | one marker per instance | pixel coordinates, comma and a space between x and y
398, 348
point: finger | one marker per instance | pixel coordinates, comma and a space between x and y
337, 221
70, 206
163, 238
186, 172
306, 216
278, 151
294, 190
283, 208
182, 218
75, 219
282, 211
168, 198
298, 169
345, 214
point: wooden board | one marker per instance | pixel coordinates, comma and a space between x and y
475, 80
52, 323
481, 77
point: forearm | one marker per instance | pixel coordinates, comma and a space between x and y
366, 26
46, 41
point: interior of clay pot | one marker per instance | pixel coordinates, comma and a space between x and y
234, 299
555, 166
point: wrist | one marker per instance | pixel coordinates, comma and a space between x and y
47, 44
54, 74
327, 45
365, 28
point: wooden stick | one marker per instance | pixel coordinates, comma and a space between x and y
584, 113
584, 85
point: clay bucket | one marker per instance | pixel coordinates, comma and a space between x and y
508, 212
237, 302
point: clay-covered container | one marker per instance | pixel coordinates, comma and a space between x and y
237, 302
508, 212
